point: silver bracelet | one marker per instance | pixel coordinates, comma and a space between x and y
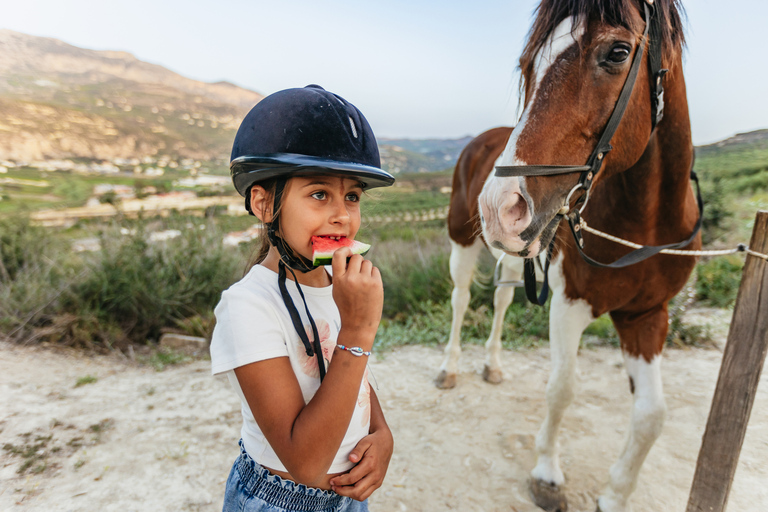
356, 351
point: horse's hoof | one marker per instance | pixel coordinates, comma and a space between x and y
611, 505
492, 376
445, 380
548, 496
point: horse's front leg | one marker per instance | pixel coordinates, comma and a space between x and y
462, 266
642, 339
511, 270
567, 320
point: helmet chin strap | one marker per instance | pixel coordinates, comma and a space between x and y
303, 265
290, 258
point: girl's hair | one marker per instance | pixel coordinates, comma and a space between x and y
263, 248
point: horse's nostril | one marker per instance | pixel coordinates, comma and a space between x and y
516, 209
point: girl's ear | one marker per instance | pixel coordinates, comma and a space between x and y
260, 204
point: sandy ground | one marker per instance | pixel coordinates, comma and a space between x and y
139, 439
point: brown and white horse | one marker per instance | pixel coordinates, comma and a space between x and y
574, 66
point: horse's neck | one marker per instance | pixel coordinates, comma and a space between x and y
673, 137
658, 184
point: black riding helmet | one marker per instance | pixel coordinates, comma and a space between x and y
305, 131
299, 132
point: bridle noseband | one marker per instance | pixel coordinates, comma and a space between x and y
589, 172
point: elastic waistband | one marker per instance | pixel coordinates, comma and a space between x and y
281, 493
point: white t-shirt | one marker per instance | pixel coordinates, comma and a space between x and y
253, 324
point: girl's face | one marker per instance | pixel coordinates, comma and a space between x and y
326, 206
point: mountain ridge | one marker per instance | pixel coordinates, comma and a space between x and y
21, 53
60, 101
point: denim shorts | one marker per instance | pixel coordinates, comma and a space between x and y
251, 488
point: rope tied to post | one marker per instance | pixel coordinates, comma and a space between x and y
679, 252
497, 281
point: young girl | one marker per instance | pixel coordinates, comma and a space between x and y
293, 339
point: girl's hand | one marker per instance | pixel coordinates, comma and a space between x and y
372, 456
358, 293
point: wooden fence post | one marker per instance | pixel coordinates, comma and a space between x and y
740, 371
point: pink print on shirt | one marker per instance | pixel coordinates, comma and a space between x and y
309, 364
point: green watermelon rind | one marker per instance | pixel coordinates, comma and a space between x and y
325, 258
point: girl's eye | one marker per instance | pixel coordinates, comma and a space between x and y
319, 195
353, 197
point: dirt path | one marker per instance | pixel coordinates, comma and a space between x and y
138, 439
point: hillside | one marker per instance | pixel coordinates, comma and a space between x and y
743, 155
60, 101
420, 155
63, 102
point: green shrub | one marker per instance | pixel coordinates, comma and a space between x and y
110, 197
410, 288
603, 328
87, 379
415, 273
34, 269
142, 287
524, 325
163, 357
681, 334
429, 327
716, 213
718, 280
21, 246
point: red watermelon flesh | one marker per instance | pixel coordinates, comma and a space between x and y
323, 248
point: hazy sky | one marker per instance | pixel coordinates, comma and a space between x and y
416, 68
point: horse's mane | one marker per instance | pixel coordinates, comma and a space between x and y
550, 13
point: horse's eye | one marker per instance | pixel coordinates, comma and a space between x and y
618, 54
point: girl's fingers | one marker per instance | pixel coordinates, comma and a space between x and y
347, 479
355, 474
362, 446
365, 487
366, 268
368, 491
339, 261
354, 263
361, 490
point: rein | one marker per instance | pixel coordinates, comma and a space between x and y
594, 164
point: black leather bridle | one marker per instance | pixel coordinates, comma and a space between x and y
595, 161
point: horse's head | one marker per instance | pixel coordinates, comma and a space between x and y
573, 69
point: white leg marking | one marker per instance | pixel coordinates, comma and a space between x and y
567, 320
511, 270
648, 413
462, 266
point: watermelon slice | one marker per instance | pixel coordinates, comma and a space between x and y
324, 247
